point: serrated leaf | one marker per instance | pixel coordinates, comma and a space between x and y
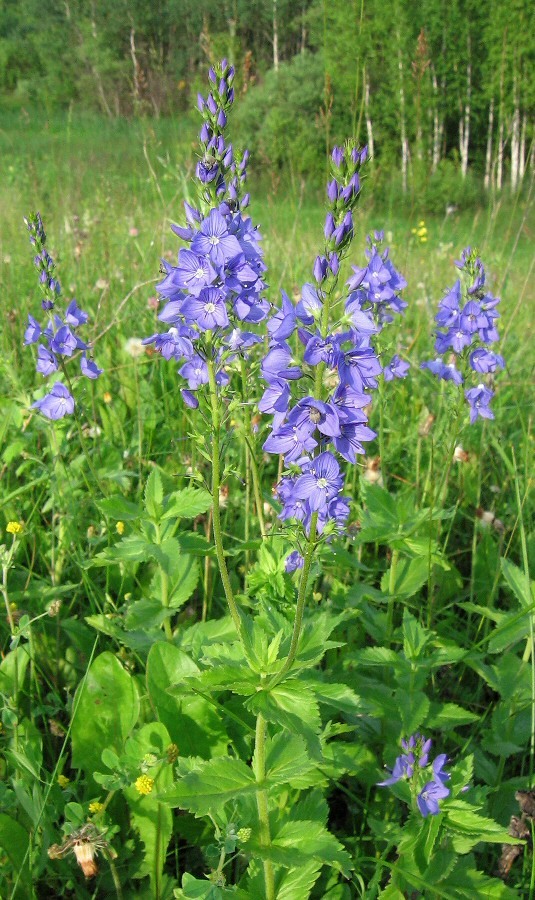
286, 759
119, 509
449, 715
465, 823
154, 495
297, 884
211, 785
521, 586
289, 704
299, 841
187, 503
339, 696
415, 638
413, 710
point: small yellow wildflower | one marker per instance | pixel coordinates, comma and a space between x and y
106, 396
144, 785
421, 223
14, 527
95, 807
63, 781
119, 527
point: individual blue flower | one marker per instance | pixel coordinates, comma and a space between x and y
208, 310
396, 368
46, 361
294, 561
479, 398
429, 797
89, 368
321, 481
56, 404
33, 331
213, 240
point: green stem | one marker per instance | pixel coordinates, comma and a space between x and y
251, 456
164, 595
216, 484
391, 594
12, 627
301, 600
259, 769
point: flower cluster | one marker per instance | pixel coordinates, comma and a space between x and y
374, 298
338, 359
413, 766
467, 317
57, 337
214, 292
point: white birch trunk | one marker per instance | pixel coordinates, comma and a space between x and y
437, 126
464, 122
522, 155
515, 137
403, 126
275, 38
488, 156
499, 157
369, 128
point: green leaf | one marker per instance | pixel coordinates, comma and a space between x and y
409, 576
339, 696
415, 637
207, 788
195, 544
298, 842
287, 759
191, 720
119, 509
187, 503
469, 828
289, 704
150, 818
449, 715
106, 708
154, 495
14, 841
521, 587
414, 709
13, 668
297, 884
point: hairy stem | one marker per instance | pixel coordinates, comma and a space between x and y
301, 600
259, 769
216, 484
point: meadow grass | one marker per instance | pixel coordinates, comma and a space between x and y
107, 192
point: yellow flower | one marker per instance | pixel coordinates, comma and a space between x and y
119, 527
421, 223
106, 396
63, 781
14, 527
95, 806
144, 785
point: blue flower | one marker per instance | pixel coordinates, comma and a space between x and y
57, 403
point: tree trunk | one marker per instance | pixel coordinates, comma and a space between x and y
464, 121
488, 157
438, 126
522, 156
402, 122
515, 137
369, 128
275, 38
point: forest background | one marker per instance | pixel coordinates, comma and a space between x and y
442, 92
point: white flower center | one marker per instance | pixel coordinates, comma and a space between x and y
323, 483
213, 240
209, 307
